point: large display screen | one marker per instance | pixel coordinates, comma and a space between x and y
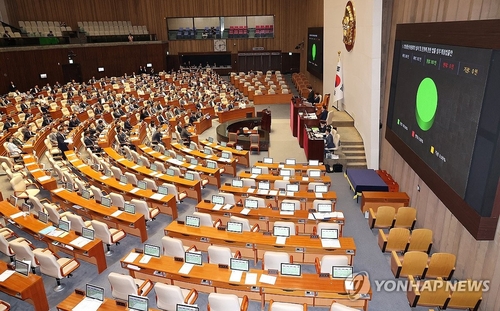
315, 51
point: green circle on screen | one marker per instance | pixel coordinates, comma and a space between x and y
313, 51
426, 104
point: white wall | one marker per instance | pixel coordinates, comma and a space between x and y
361, 68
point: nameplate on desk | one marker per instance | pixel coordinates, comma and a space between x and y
223, 266
180, 222
179, 259
121, 303
324, 275
273, 271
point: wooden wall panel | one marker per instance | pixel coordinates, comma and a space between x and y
475, 259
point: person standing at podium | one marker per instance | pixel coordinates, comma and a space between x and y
310, 97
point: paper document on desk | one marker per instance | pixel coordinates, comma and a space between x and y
281, 240
192, 167
208, 156
135, 190
251, 279
280, 166
58, 190
44, 178
227, 206
321, 216
311, 216
217, 207
262, 192
273, 192
135, 166
318, 195
56, 232
80, 242
186, 268
131, 257
253, 176
47, 230
330, 243
6, 274
104, 177
81, 165
117, 213
245, 211
186, 150
121, 159
16, 215
286, 178
157, 196
250, 190
267, 279
290, 193
305, 178
236, 276
145, 259
287, 213
88, 304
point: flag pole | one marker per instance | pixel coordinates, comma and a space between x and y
337, 101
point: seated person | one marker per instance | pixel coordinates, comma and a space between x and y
90, 143
157, 137
127, 126
8, 123
74, 122
323, 114
185, 135
12, 148
192, 118
27, 134
123, 139
322, 126
329, 139
100, 126
316, 98
47, 119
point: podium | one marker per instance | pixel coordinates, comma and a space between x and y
265, 123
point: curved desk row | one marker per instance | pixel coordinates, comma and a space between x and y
243, 156
234, 126
303, 181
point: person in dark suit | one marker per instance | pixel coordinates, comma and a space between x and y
323, 114
8, 123
329, 139
123, 139
61, 144
74, 122
27, 134
179, 128
157, 137
185, 135
89, 143
47, 119
316, 98
310, 97
127, 126
12, 87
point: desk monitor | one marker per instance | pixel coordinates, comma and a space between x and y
329, 234
264, 185
26, 208
88, 233
162, 190
141, 184
194, 161
166, 153
182, 307
43, 217
290, 161
69, 186
287, 206
268, 160
129, 208
156, 148
315, 173
207, 150
108, 173
324, 208
152, 250
211, 139
179, 158
251, 203
234, 227
94, 292
192, 221
22, 267
290, 269
292, 187
285, 173
239, 264
239, 147
226, 155
321, 188
193, 258
123, 179
85, 194
256, 170
137, 303
189, 176
281, 231
96, 167
211, 165
139, 162
170, 172
106, 201
217, 199
238, 183
64, 225
153, 167
13, 200
341, 272
313, 162
223, 143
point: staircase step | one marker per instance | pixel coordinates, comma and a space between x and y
352, 147
355, 158
343, 123
356, 165
353, 153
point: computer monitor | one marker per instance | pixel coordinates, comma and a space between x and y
69, 186
106, 201
264, 185
193, 258
226, 155
153, 167
287, 207
129, 208
194, 161
267, 160
141, 184
88, 233
85, 194
94, 292
156, 148
96, 167
281, 231
239, 264
139, 162
13, 200
329, 234
170, 172
207, 150
189, 176
223, 143
123, 179
64, 225
313, 163
182, 307
290, 161
217, 199
162, 190
292, 187
341, 272
26, 208
43, 217
192, 221
211, 164
179, 158
290, 269
137, 303
211, 139
251, 203
256, 170
22, 267
234, 227
285, 173
152, 250
108, 173
238, 183
324, 208
321, 188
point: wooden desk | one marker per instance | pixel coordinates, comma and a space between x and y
166, 204
270, 99
303, 181
314, 147
243, 156
109, 304
209, 278
192, 187
235, 114
303, 122
92, 252
299, 168
213, 175
296, 107
374, 199
266, 217
45, 181
134, 224
254, 244
202, 125
28, 288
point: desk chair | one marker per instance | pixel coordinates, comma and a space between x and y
116, 172
142, 207
233, 139
177, 171
77, 222
396, 240
54, 215
412, 263
312, 185
97, 193
5, 247
15, 168
246, 224
340, 307
406, 217
265, 169
327, 225
225, 302
216, 165
145, 161
321, 201
285, 306
209, 150
25, 250
296, 203
228, 198
173, 247
248, 182
441, 265
470, 298
12, 174
328, 261
168, 296
383, 218
20, 188
4, 306
107, 235
294, 228
280, 184
123, 285
57, 267
135, 156
7, 233
206, 220
273, 260
336, 141
150, 184
117, 200
172, 189
193, 146
37, 204
420, 240
160, 167
197, 176
221, 254
81, 185
254, 142
131, 178
430, 293
261, 202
